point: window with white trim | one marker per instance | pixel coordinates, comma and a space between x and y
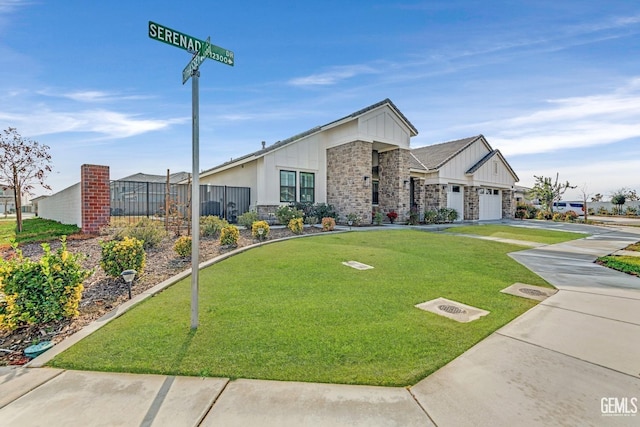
287, 186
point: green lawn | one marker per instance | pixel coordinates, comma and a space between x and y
518, 233
291, 311
34, 230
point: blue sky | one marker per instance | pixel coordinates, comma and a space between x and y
554, 85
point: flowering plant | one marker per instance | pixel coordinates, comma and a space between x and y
392, 216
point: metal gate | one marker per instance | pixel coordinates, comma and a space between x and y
147, 199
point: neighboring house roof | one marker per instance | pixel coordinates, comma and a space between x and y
316, 129
144, 177
435, 156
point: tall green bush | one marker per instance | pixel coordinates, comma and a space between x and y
43, 291
247, 219
120, 255
149, 231
210, 226
286, 213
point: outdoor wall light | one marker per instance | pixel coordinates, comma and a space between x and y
128, 276
406, 183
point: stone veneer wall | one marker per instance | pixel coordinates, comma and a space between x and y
393, 193
471, 204
95, 195
435, 196
419, 198
347, 190
267, 213
508, 204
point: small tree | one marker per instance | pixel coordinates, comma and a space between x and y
548, 191
619, 198
23, 162
597, 198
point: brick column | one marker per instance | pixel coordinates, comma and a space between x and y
94, 196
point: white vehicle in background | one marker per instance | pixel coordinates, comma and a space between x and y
564, 207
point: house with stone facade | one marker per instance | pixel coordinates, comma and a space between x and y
364, 162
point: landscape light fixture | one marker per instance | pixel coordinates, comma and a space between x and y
128, 276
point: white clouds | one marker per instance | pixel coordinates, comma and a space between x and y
334, 75
106, 123
9, 5
570, 123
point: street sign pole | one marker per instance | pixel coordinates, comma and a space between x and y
202, 50
195, 196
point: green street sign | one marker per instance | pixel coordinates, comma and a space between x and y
196, 61
188, 43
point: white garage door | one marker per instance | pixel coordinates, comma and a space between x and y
455, 200
490, 204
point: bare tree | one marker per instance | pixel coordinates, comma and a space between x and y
585, 197
548, 191
23, 163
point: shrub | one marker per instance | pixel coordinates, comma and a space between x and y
378, 218
307, 208
323, 210
229, 236
257, 226
43, 291
311, 220
354, 218
631, 210
570, 216
210, 226
532, 211
392, 216
120, 255
544, 215
521, 213
414, 216
451, 214
247, 219
150, 232
430, 216
182, 246
328, 224
296, 225
603, 211
557, 216
287, 213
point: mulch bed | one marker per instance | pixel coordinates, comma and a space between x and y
103, 293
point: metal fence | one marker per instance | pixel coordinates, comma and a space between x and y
154, 199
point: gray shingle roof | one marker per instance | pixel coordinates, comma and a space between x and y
434, 156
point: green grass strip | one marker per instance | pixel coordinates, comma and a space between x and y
291, 311
626, 264
34, 230
518, 233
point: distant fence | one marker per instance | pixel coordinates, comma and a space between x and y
148, 199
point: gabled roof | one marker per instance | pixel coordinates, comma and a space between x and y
278, 144
435, 156
488, 157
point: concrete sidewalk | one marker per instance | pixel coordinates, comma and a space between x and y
553, 365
